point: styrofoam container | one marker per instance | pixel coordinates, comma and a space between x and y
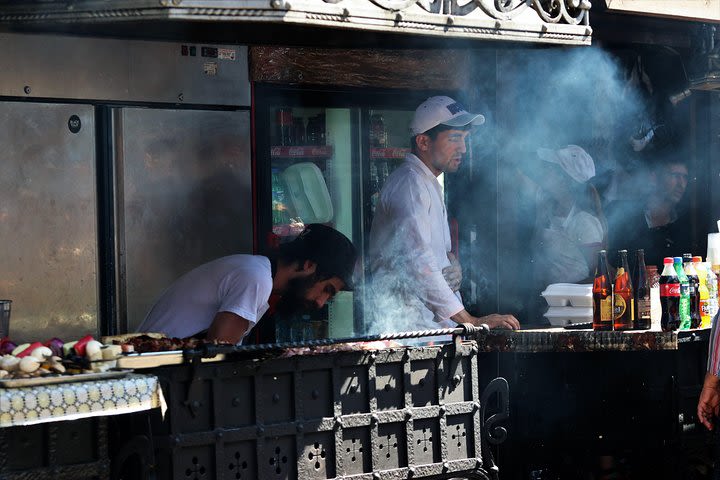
561, 316
568, 295
308, 192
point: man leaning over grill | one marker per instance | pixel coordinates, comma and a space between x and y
414, 277
227, 296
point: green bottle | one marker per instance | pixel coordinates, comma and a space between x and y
684, 294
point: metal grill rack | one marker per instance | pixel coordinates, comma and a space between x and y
410, 412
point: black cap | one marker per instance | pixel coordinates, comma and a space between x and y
333, 252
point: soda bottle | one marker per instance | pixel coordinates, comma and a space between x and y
712, 284
703, 293
694, 290
378, 134
602, 295
284, 122
684, 293
669, 296
642, 292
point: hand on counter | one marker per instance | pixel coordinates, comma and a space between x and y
709, 404
495, 320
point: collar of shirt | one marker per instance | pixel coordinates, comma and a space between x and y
673, 218
414, 162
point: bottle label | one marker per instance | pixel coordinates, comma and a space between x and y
643, 308
620, 307
704, 308
606, 309
669, 289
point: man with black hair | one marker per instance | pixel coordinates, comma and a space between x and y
656, 225
227, 296
415, 279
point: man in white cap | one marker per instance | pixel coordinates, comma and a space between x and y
570, 226
414, 277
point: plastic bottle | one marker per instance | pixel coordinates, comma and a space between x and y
624, 307
712, 283
670, 298
703, 292
655, 306
684, 294
693, 291
641, 286
602, 295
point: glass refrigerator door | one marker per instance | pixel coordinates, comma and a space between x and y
312, 181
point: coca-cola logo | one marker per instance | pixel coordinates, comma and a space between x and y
670, 290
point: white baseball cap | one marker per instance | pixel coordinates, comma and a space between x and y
575, 161
442, 111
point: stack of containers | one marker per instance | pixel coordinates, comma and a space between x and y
568, 303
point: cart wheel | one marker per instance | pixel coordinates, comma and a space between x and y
133, 461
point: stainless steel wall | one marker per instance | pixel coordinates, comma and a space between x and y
48, 258
184, 197
53, 66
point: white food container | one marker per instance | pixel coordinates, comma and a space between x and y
561, 316
308, 193
568, 295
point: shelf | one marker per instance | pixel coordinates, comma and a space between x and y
302, 151
388, 152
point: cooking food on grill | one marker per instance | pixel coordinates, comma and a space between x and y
145, 344
342, 347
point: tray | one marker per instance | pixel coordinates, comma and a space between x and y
157, 359
55, 379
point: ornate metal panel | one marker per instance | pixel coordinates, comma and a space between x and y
548, 21
387, 414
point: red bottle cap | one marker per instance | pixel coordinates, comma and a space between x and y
697, 259
669, 260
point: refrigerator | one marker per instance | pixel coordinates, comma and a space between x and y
182, 197
323, 157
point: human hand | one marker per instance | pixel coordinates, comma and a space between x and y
497, 320
709, 402
453, 273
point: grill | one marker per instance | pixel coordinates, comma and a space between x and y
407, 412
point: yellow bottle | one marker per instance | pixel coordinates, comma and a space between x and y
705, 318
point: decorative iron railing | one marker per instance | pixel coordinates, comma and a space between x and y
546, 21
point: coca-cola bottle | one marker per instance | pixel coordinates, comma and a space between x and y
602, 295
284, 123
642, 293
694, 282
624, 300
669, 297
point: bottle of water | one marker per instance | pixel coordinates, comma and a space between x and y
712, 286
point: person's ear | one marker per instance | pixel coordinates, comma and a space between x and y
422, 142
309, 267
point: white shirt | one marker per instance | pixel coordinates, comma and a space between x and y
239, 284
559, 242
409, 242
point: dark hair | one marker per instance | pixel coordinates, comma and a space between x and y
332, 252
434, 132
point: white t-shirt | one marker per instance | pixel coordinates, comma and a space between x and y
240, 284
558, 245
409, 242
